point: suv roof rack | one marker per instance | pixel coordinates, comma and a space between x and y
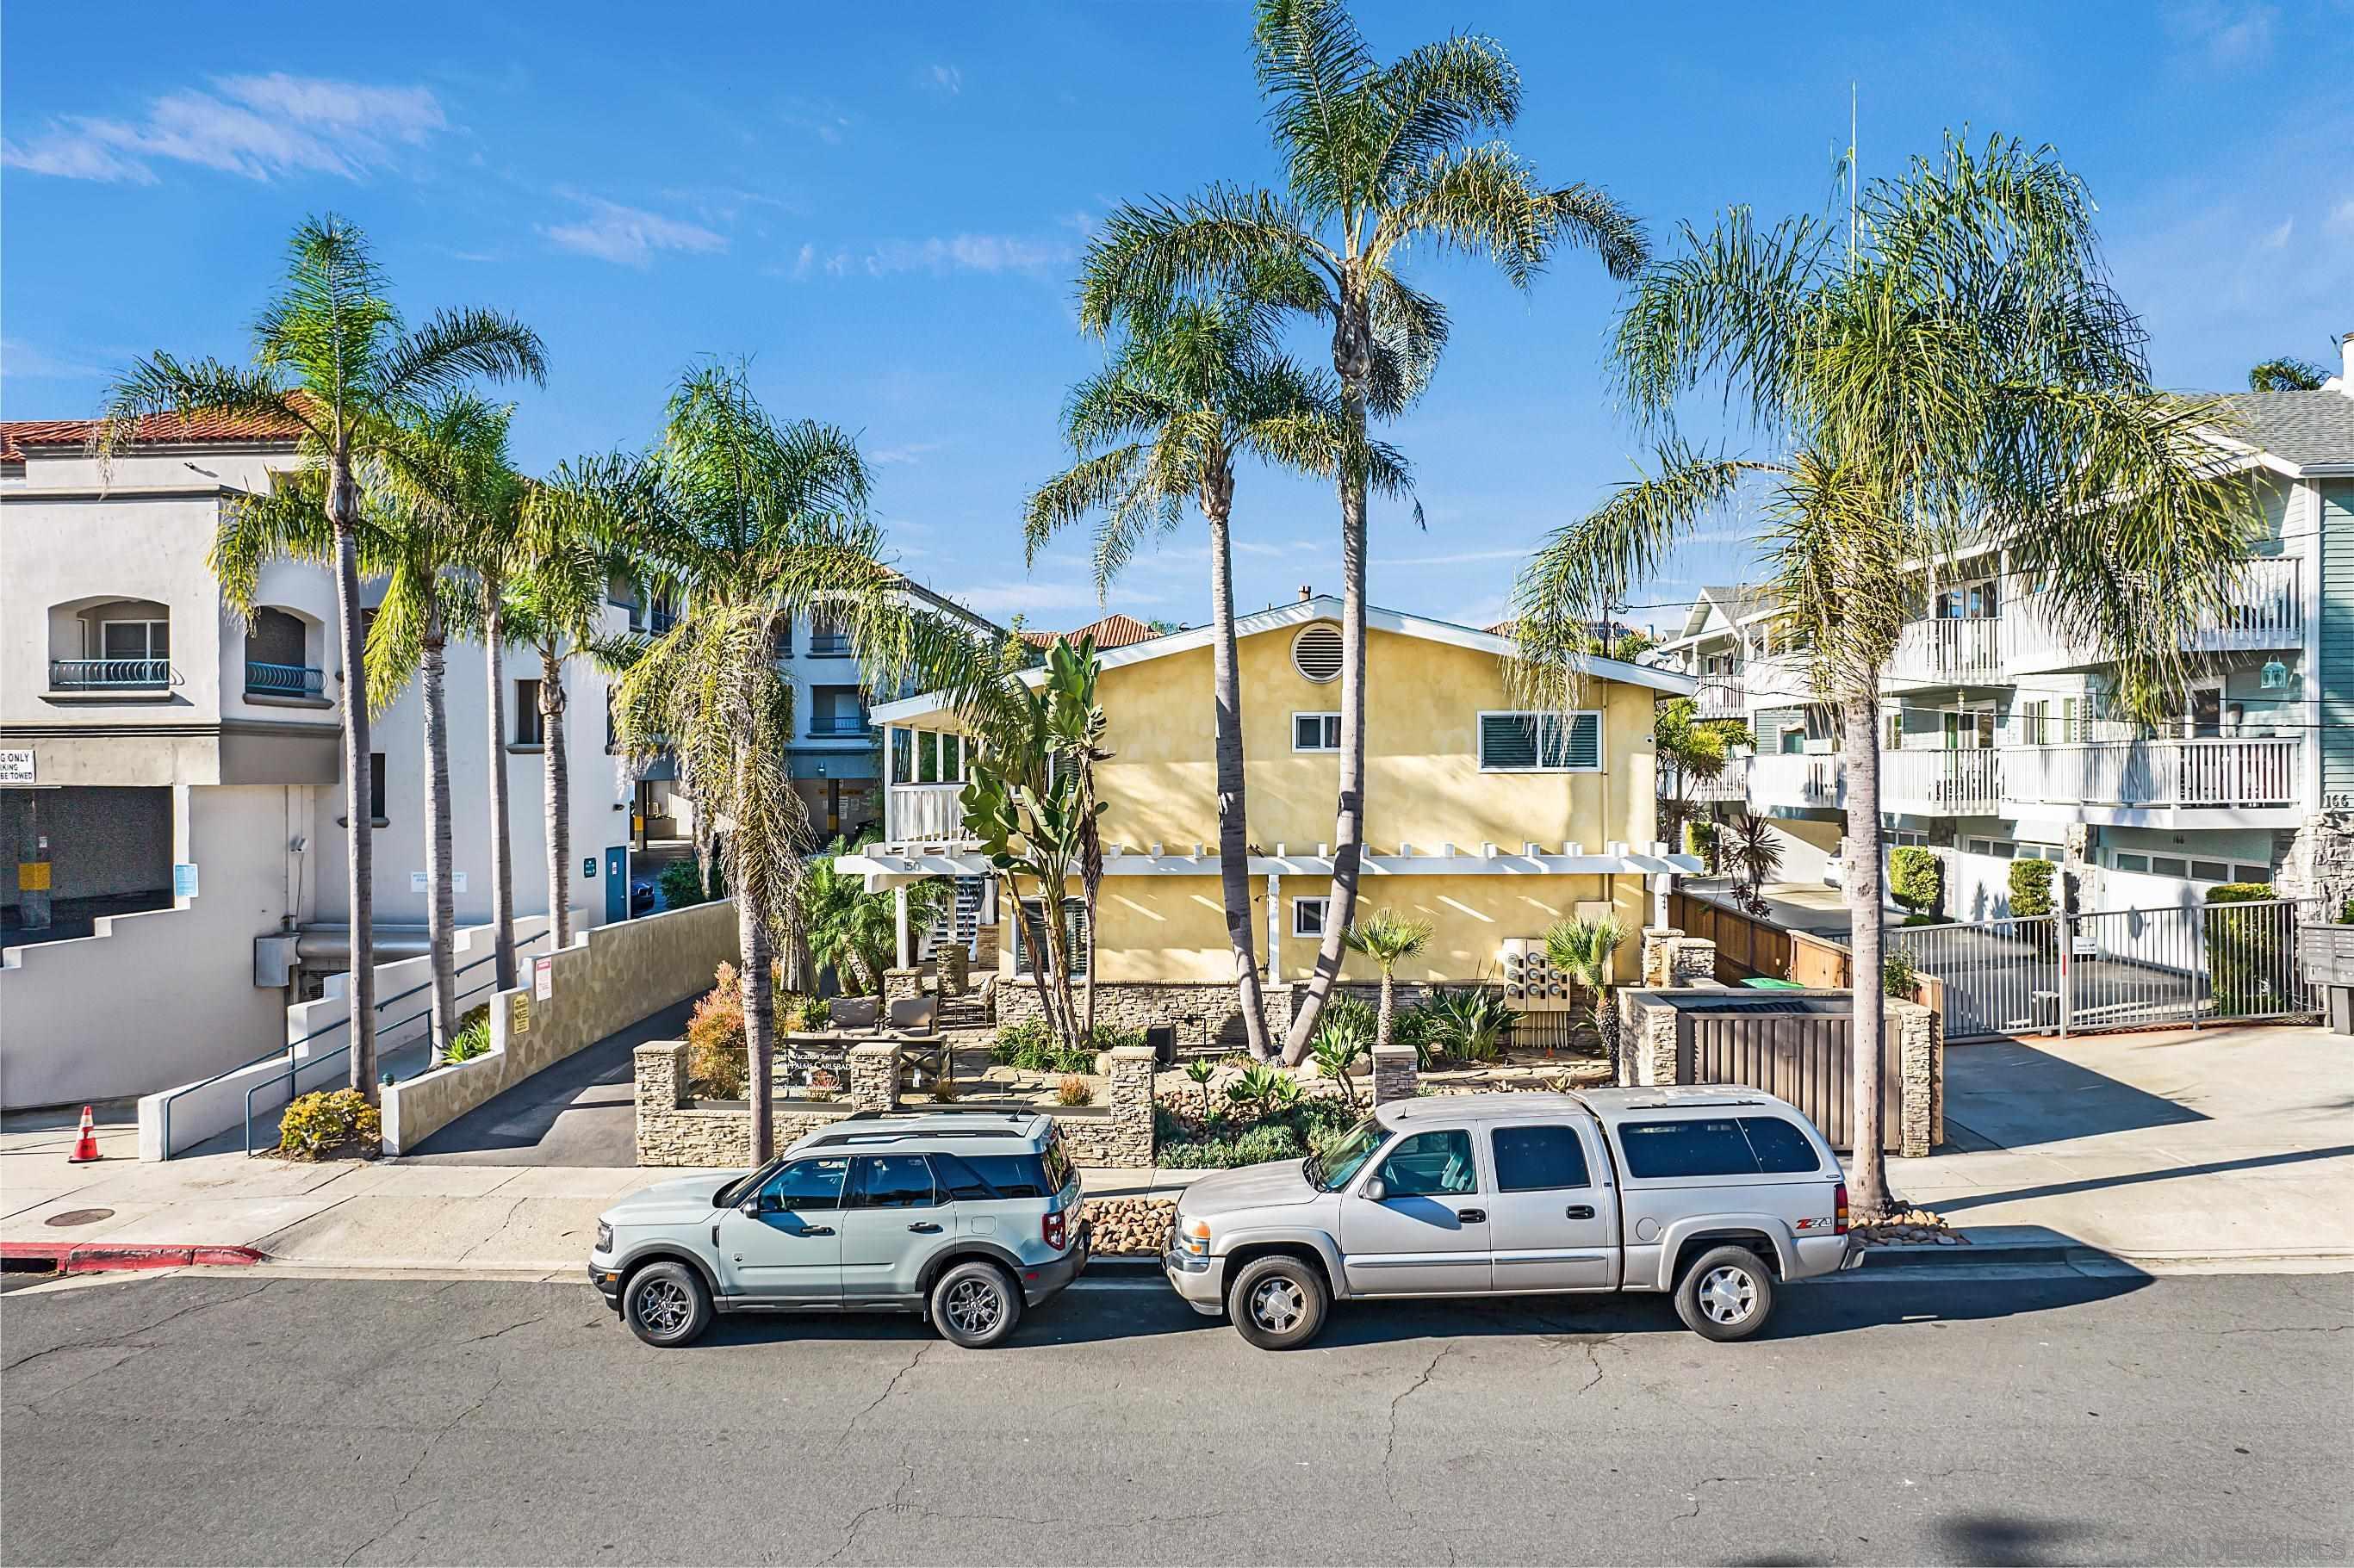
1008, 1112
837, 1140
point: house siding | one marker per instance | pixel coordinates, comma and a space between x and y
2337, 642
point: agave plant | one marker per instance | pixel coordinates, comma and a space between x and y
1469, 1022
1202, 1070
1335, 1050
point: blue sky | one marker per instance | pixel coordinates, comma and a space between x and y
885, 219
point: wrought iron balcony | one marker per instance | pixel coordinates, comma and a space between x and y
263, 680
839, 726
109, 674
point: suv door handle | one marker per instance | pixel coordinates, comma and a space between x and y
1472, 1216
812, 1231
924, 1227
1579, 1212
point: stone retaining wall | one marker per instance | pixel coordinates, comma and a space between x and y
673, 1131
1394, 1074
1120, 1134
1204, 1013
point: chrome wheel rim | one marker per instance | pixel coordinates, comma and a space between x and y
1727, 1295
1278, 1304
664, 1307
974, 1305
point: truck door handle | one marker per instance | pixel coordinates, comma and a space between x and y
1472, 1216
814, 1231
924, 1227
1579, 1212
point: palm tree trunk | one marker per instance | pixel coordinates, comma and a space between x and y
359, 847
1352, 358
440, 914
1868, 1197
1233, 819
760, 1019
503, 946
556, 781
1382, 1025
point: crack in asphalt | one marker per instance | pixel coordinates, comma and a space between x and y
416, 1464
1389, 1448
890, 1388
858, 1521
2292, 1329
123, 1340
510, 1329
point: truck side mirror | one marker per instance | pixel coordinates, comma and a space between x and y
1375, 1190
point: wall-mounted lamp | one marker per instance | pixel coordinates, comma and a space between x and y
2274, 675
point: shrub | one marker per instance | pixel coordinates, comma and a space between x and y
2246, 950
1898, 976
474, 1036
716, 1065
1031, 1046
1074, 1091
1916, 877
2031, 887
944, 1088
1255, 1146
1353, 1017
682, 885
324, 1121
1700, 839
1468, 1021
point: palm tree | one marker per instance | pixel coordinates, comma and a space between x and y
1389, 938
1187, 392
1751, 847
1582, 949
330, 355
748, 523
1377, 156
1694, 751
1955, 369
2286, 373
855, 931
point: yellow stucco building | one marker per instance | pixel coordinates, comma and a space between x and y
1489, 823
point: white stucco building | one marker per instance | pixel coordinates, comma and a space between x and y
171, 777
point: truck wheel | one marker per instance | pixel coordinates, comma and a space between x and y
666, 1305
975, 1305
1277, 1302
1727, 1293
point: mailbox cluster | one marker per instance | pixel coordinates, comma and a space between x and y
1532, 982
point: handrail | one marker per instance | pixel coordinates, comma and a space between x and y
288, 1048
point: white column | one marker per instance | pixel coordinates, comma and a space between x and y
1274, 929
899, 927
890, 750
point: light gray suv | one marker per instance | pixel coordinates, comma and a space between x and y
1714, 1195
963, 1217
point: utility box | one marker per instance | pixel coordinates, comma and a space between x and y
274, 960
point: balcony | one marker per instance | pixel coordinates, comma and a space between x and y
1946, 653
262, 680
1732, 784
110, 675
2266, 610
2257, 774
1721, 697
1794, 781
829, 645
924, 812
840, 727
1924, 783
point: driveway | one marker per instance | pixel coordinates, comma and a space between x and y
581, 1111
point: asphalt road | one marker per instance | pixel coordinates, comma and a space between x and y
227, 1419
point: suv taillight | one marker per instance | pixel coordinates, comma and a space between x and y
1838, 1210
1053, 1229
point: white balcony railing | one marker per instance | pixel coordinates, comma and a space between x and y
1721, 696
927, 811
2256, 772
2266, 610
1732, 784
1790, 779
1946, 653
1941, 783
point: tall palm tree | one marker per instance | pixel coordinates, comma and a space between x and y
1955, 369
1389, 938
1188, 391
1694, 751
1376, 157
748, 522
332, 354
2286, 373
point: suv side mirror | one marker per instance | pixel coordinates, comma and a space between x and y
1375, 1190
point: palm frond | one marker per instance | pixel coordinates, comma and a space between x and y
454, 347
1146, 254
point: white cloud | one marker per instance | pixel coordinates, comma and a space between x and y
19, 358
969, 253
630, 234
906, 452
945, 78
257, 126
2227, 35
1020, 597
2279, 236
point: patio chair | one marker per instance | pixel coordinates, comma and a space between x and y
853, 1013
924, 1049
915, 1016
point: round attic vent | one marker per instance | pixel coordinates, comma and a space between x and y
1316, 652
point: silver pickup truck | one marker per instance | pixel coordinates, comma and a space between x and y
1713, 1195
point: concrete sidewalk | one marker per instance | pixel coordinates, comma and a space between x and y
2170, 1151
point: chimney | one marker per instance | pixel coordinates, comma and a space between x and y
1307, 593
2343, 380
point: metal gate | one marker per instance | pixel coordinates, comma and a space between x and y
2123, 968
1802, 1049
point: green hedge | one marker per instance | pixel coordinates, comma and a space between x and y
1916, 877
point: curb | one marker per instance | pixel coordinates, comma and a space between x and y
97, 1257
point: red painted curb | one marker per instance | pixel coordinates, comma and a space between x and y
94, 1257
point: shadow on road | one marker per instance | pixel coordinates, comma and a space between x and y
2136, 1179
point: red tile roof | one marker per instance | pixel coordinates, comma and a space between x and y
155, 429
1111, 631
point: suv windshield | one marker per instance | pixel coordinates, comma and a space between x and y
1349, 1156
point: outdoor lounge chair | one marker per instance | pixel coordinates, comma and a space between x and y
853, 1013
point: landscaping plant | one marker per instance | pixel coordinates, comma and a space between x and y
1469, 1022
1202, 1070
1583, 949
2247, 949
2031, 898
1916, 877
327, 1122
1074, 1091
1389, 938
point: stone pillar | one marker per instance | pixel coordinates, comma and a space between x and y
1921, 1067
954, 972
1647, 1041
1656, 949
1394, 1074
901, 985
1128, 1142
875, 1077
1692, 960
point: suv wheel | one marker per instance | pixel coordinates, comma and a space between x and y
1727, 1293
1277, 1302
975, 1305
665, 1304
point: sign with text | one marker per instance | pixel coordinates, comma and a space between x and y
184, 879
16, 766
519, 1014
543, 978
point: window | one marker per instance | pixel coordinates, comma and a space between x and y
982, 1177
1033, 922
1533, 1159
807, 1184
1896, 739
135, 640
1546, 743
2052, 852
528, 729
891, 1181
827, 639
1430, 1165
903, 757
1316, 732
2210, 870
959, 1182
1308, 916
1780, 1148
2169, 865
375, 786
2251, 874
2124, 861
927, 756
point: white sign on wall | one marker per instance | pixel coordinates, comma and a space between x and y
543, 978
418, 883
16, 766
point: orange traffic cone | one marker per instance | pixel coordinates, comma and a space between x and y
86, 1145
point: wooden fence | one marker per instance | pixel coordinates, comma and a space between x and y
1748, 946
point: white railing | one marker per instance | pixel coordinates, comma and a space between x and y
1732, 784
1940, 783
924, 812
1795, 779
2229, 772
1721, 696
1946, 651
2266, 610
